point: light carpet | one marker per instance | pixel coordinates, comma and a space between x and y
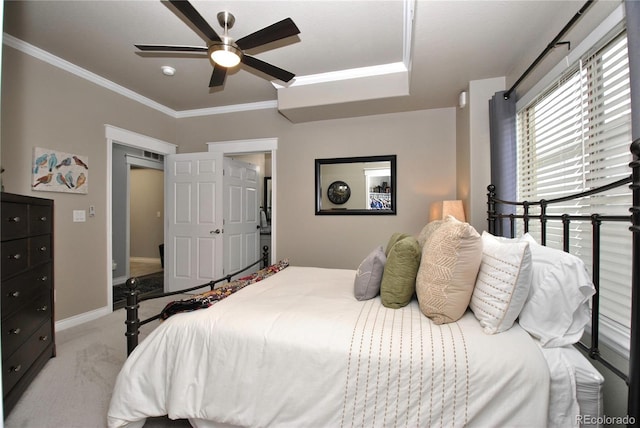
74, 388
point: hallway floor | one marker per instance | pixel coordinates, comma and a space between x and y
138, 268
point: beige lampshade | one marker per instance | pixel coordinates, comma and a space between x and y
440, 210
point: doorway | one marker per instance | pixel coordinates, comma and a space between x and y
137, 211
119, 142
120, 136
146, 220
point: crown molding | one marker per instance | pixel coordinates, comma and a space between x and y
336, 76
65, 65
261, 105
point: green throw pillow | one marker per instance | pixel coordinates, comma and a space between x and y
392, 240
399, 276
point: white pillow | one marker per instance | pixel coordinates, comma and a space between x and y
557, 309
503, 282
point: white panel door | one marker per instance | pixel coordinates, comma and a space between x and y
241, 216
194, 220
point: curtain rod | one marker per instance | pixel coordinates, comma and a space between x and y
555, 42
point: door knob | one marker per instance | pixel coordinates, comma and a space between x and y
215, 232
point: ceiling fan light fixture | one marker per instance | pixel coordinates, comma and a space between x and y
225, 55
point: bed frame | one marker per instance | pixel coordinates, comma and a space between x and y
496, 220
496, 225
134, 299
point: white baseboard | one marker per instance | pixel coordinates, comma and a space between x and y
82, 318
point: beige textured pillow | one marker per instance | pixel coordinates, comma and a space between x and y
428, 230
448, 270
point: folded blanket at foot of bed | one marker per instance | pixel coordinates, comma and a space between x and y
204, 300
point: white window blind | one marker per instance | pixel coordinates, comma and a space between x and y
573, 137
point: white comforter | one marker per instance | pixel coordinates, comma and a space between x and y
298, 350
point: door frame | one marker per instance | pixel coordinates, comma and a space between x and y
259, 145
115, 135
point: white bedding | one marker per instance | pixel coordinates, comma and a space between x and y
576, 388
298, 350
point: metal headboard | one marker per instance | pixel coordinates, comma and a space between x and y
496, 226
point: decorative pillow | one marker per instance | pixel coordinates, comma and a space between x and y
369, 275
393, 239
399, 277
427, 231
557, 309
503, 282
447, 274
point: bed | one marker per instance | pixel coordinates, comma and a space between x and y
311, 346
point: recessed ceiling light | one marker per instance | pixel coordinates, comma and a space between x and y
168, 71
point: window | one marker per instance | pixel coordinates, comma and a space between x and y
573, 137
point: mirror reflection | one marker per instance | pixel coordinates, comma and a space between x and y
356, 185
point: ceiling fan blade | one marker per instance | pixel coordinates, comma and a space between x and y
171, 48
196, 19
267, 68
218, 76
277, 31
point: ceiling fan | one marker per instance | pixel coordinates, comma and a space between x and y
225, 52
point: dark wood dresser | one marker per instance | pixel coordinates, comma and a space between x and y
26, 232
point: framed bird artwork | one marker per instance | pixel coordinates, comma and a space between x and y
55, 171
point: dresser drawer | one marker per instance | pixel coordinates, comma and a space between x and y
39, 249
17, 364
18, 291
15, 223
15, 256
17, 328
40, 220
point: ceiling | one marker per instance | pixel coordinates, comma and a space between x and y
420, 59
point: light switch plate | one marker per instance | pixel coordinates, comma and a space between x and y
79, 216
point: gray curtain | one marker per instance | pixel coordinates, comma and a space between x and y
632, 11
502, 123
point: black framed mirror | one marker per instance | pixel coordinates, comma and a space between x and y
364, 185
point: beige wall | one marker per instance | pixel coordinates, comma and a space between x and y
47, 107
424, 142
146, 200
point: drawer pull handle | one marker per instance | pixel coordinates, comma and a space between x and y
15, 369
44, 338
43, 248
14, 331
42, 308
15, 219
43, 278
14, 294
16, 256
43, 218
